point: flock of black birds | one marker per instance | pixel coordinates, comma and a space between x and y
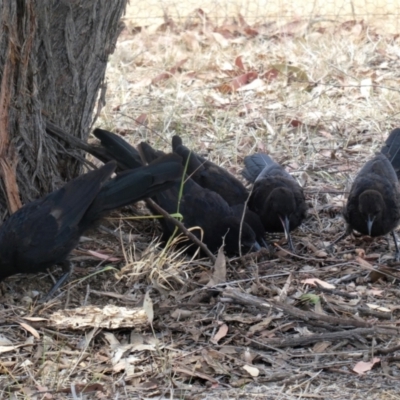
216, 204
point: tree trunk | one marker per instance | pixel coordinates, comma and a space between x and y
53, 57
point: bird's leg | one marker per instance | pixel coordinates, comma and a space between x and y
67, 270
290, 243
397, 253
286, 229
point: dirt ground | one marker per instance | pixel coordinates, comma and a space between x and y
320, 96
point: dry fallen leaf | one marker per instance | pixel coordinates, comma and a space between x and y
261, 325
222, 331
194, 373
375, 292
363, 263
239, 63
219, 274
6, 349
82, 388
253, 371
101, 256
256, 84
292, 72
315, 281
360, 252
111, 339
191, 40
270, 75
296, 27
238, 82
378, 307
5, 341
362, 366
220, 39
30, 329
142, 119
168, 74
319, 347
180, 314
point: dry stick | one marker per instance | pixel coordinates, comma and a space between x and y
267, 305
387, 351
182, 228
336, 292
242, 221
321, 337
305, 258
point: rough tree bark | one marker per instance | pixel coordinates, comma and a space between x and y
53, 57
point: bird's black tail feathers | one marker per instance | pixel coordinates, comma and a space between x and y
133, 185
255, 164
391, 150
194, 164
150, 154
176, 142
116, 148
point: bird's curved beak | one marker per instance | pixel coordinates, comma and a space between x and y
370, 222
286, 226
256, 246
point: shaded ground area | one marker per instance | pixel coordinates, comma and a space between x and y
320, 99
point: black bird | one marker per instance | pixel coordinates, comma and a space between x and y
123, 152
206, 209
211, 176
373, 205
276, 196
43, 232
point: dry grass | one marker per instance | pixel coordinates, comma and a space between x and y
324, 98
152, 12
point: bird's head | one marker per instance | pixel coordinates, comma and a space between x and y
282, 204
232, 229
371, 206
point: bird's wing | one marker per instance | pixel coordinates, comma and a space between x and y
260, 165
203, 207
391, 149
377, 169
